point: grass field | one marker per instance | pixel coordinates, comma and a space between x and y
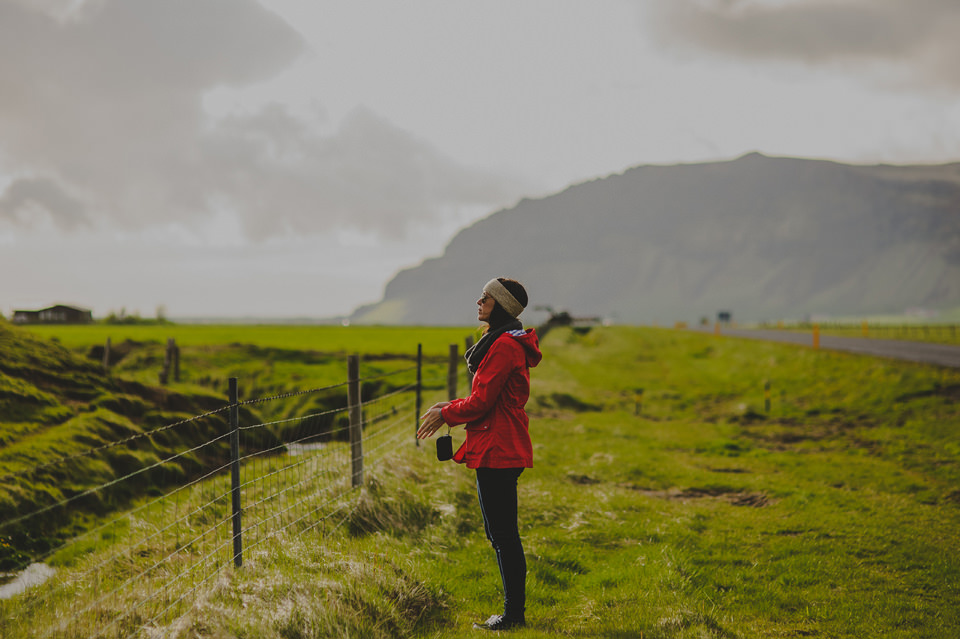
911, 332
266, 359
665, 502
320, 338
834, 515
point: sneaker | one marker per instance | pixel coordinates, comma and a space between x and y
499, 622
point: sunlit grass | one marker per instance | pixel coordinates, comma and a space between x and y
684, 510
706, 516
320, 338
943, 333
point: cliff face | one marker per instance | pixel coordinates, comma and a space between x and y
765, 238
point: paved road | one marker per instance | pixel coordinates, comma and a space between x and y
924, 352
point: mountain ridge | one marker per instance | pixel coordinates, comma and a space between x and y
764, 237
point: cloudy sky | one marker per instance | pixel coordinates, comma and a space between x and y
280, 158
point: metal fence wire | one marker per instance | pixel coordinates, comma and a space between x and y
206, 505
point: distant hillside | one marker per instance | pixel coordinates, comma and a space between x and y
765, 238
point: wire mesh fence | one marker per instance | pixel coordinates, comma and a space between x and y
135, 549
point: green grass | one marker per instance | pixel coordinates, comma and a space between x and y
57, 400
686, 510
323, 338
946, 333
835, 515
267, 360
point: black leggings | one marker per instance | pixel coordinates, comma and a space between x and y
497, 490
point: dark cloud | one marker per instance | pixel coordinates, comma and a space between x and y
918, 39
106, 104
27, 200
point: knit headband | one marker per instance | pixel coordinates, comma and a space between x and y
499, 292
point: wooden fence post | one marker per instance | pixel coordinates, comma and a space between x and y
356, 420
176, 361
452, 373
106, 355
416, 416
168, 362
165, 371
235, 473
816, 336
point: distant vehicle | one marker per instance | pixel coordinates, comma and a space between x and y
563, 318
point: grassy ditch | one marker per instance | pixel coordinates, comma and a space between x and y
55, 406
667, 501
58, 403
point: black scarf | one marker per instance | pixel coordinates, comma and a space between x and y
478, 351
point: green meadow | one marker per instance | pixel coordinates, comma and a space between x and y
685, 485
321, 338
935, 333
944, 333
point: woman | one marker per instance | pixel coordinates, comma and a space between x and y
498, 442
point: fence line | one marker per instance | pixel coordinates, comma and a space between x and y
947, 332
285, 476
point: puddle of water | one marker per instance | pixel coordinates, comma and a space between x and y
32, 575
299, 449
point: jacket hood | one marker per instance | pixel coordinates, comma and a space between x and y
531, 344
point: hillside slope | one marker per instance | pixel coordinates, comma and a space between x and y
59, 413
763, 237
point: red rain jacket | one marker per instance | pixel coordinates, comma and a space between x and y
496, 422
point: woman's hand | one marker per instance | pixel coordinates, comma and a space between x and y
432, 421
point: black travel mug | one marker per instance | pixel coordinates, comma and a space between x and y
444, 447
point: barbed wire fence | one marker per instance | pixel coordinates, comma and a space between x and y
205, 505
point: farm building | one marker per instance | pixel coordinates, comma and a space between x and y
59, 314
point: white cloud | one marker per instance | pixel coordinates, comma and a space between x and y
29, 200
103, 122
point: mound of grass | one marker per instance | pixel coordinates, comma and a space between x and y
59, 413
341, 591
391, 508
